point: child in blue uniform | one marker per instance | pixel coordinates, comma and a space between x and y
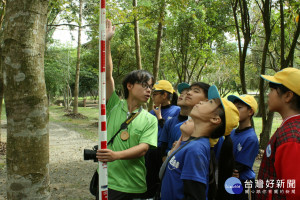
187, 171
245, 142
182, 116
197, 92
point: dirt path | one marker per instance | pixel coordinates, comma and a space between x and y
69, 173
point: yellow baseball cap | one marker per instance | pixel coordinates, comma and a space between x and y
163, 85
289, 77
247, 99
232, 116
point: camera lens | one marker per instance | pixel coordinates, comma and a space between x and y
89, 154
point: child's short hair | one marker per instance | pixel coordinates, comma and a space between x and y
281, 89
136, 76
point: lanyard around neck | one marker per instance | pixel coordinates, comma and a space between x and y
125, 124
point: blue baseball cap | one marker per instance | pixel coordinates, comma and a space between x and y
182, 86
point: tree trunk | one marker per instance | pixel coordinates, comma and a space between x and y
3, 6
245, 26
137, 39
265, 134
26, 104
267, 128
1, 90
76, 89
158, 42
158, 46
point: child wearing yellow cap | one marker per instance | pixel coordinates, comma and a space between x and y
245, 143
279, 173
186, 174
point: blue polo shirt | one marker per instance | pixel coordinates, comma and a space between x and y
169, 133
166, 113
189, 163
245, 150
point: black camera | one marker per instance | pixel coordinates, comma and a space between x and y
89, 154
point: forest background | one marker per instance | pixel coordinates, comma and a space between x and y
228, 43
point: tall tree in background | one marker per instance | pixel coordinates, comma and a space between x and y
267, 117
159, 39
76, 90
27, 155
244, 25
2, 13
137, 37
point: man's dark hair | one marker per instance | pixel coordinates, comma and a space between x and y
203, 86
136, 76
281, 89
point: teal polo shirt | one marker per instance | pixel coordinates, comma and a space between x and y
128, 175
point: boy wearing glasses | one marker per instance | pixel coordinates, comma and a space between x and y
125, 153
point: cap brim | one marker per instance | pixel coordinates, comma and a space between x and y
182, 86
232, 98
270, 79
213, 93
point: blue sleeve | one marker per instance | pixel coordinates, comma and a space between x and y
165, 132
248, 153
196, 165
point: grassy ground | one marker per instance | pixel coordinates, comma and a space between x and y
258, 124
86, 126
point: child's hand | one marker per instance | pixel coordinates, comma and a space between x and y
157, 111
176, 145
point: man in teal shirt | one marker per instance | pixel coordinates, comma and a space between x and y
125, 153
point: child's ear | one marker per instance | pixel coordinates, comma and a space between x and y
165, 95
251, 112
288, 96
216, 120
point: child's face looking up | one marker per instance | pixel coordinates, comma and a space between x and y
205, 110
187, 127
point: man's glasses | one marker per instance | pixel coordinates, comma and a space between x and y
146, 85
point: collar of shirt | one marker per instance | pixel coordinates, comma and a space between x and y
289, 118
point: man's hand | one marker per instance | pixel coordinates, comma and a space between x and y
110, 30
106, 155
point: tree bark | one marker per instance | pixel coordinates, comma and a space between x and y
3, 5
158, 46
76, 89
245, 26
26, 104
137, 39
282, 59
1, 90
266, 121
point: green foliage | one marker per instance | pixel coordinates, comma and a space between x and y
194, 46
59, 68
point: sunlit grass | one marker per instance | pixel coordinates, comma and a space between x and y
86, 126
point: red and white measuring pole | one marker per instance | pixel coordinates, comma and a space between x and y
102, 134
